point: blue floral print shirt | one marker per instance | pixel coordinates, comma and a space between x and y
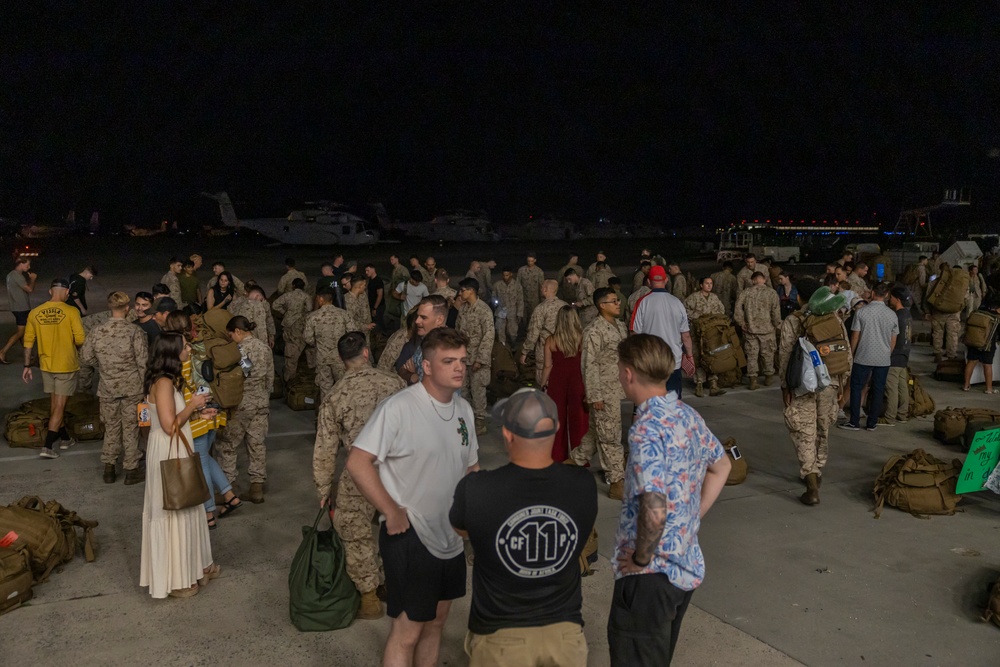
670, 449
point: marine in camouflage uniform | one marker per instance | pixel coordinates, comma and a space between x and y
541, 326
173, 283
85, 376
323, 329
601, 277
118, 349
359, 313
342, 415
567, 292
584, 300
699, 304
392, 349
475, 320
724, 286
510, 309
743, 278
258, 312
293, 307
809, 417
758, 312
531, 277
604, 394
285, 282
248, 422
945, 331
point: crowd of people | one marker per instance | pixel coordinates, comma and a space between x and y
403, 366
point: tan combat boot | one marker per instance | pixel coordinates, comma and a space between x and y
811, 496
753, 382
699, 389
257, 492
109, 473
617, 490
714, 389
768, 380
371, 607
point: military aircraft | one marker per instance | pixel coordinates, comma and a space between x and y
323, 223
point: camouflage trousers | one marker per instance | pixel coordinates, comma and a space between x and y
474, 390
700, 374
763, 346
944, 332
294, 346
121, 430
809, 419
353, 522
604, 435
529, 307
244, 426
507, 328
328, 375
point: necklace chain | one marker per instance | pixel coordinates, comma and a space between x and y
444, 419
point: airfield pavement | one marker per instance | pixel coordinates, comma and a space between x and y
786, 584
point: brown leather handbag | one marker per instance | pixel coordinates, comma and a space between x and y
182, 479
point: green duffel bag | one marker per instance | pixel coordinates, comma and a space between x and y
26, 428
321, 596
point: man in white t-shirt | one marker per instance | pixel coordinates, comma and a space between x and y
411, 292
664, 315
424, 441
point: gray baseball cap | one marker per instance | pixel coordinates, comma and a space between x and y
521, 413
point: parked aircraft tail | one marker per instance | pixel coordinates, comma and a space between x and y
225, 208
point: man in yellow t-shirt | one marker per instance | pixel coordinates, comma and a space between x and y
57, 330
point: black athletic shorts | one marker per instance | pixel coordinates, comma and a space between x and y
20, 317
415, 579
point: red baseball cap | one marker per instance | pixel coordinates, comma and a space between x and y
657, 273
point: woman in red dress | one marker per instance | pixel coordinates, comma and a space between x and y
562, 380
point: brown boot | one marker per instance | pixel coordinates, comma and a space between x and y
714, 389
109, 473
617, 490
256, 492
811, 496
371, 607
753, 382
136, 476
768, 380
699, 389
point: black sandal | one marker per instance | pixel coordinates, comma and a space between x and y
211, 523
229, 507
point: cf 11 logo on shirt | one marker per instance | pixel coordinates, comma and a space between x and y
537, 541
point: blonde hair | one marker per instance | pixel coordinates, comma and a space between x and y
649, 356
118, 300
568, 334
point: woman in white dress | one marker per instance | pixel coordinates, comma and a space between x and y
176, 550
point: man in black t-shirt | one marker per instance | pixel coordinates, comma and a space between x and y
78, 289
528, 523
376, 295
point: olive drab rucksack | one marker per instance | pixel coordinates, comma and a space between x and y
48, 531
950, 290
918, 483
826, 333
718, 344
921, 403
981, 329
218, 358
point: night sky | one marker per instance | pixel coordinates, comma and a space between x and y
669, 115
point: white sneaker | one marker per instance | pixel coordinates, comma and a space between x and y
66, 444
47, 453
842, 415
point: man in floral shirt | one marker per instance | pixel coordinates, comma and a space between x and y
676, 469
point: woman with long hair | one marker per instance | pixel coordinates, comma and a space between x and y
562, 380
222, 292
204, 427
176, 555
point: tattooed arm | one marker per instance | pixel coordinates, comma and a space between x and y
652, 519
